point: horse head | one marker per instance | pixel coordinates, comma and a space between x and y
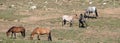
75, 16
7, 33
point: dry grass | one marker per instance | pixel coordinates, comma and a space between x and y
105, 29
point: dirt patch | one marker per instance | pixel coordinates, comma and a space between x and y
93, 33
102, 12
22, 12
38, 18
110, 11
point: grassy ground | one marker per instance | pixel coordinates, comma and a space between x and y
105, 29
102, 30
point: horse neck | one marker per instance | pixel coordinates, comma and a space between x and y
10, 29
32, 34
8, 32
75, 17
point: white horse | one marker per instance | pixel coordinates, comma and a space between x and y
67, 18
91, 10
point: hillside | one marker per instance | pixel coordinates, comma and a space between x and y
48, 13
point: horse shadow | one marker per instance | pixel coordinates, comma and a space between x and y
91, 17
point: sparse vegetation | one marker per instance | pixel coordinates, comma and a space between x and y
105, 29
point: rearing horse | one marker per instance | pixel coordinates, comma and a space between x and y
67, 18
15, 30
41, 31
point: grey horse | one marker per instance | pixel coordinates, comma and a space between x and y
91, 10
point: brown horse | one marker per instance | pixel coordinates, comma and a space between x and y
15, 30
41, 31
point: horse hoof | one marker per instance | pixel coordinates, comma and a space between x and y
49, 40
38, 39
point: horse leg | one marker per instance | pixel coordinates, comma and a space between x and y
71, 24
88, 14
49, 37
64, 22
85, 15
14, 35
38, 37
23, 34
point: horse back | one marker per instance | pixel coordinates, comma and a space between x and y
91, 9
42, 30
66, 17
18, 29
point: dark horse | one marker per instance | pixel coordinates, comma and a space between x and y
91, 10
15, 30
82, 21
41, 31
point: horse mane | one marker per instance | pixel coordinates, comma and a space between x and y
10, 29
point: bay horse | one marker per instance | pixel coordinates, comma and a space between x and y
14, 30
41, 31
82, 21
91, 9
68, 18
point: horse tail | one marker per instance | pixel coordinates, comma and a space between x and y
71, 23
96, 13
50, 37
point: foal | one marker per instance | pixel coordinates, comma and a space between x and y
67, 18
41, 31
15, 30
82, 21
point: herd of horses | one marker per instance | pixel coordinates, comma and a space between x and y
37, 31
45, 31
81, 18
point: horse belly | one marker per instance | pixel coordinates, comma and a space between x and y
44, 32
